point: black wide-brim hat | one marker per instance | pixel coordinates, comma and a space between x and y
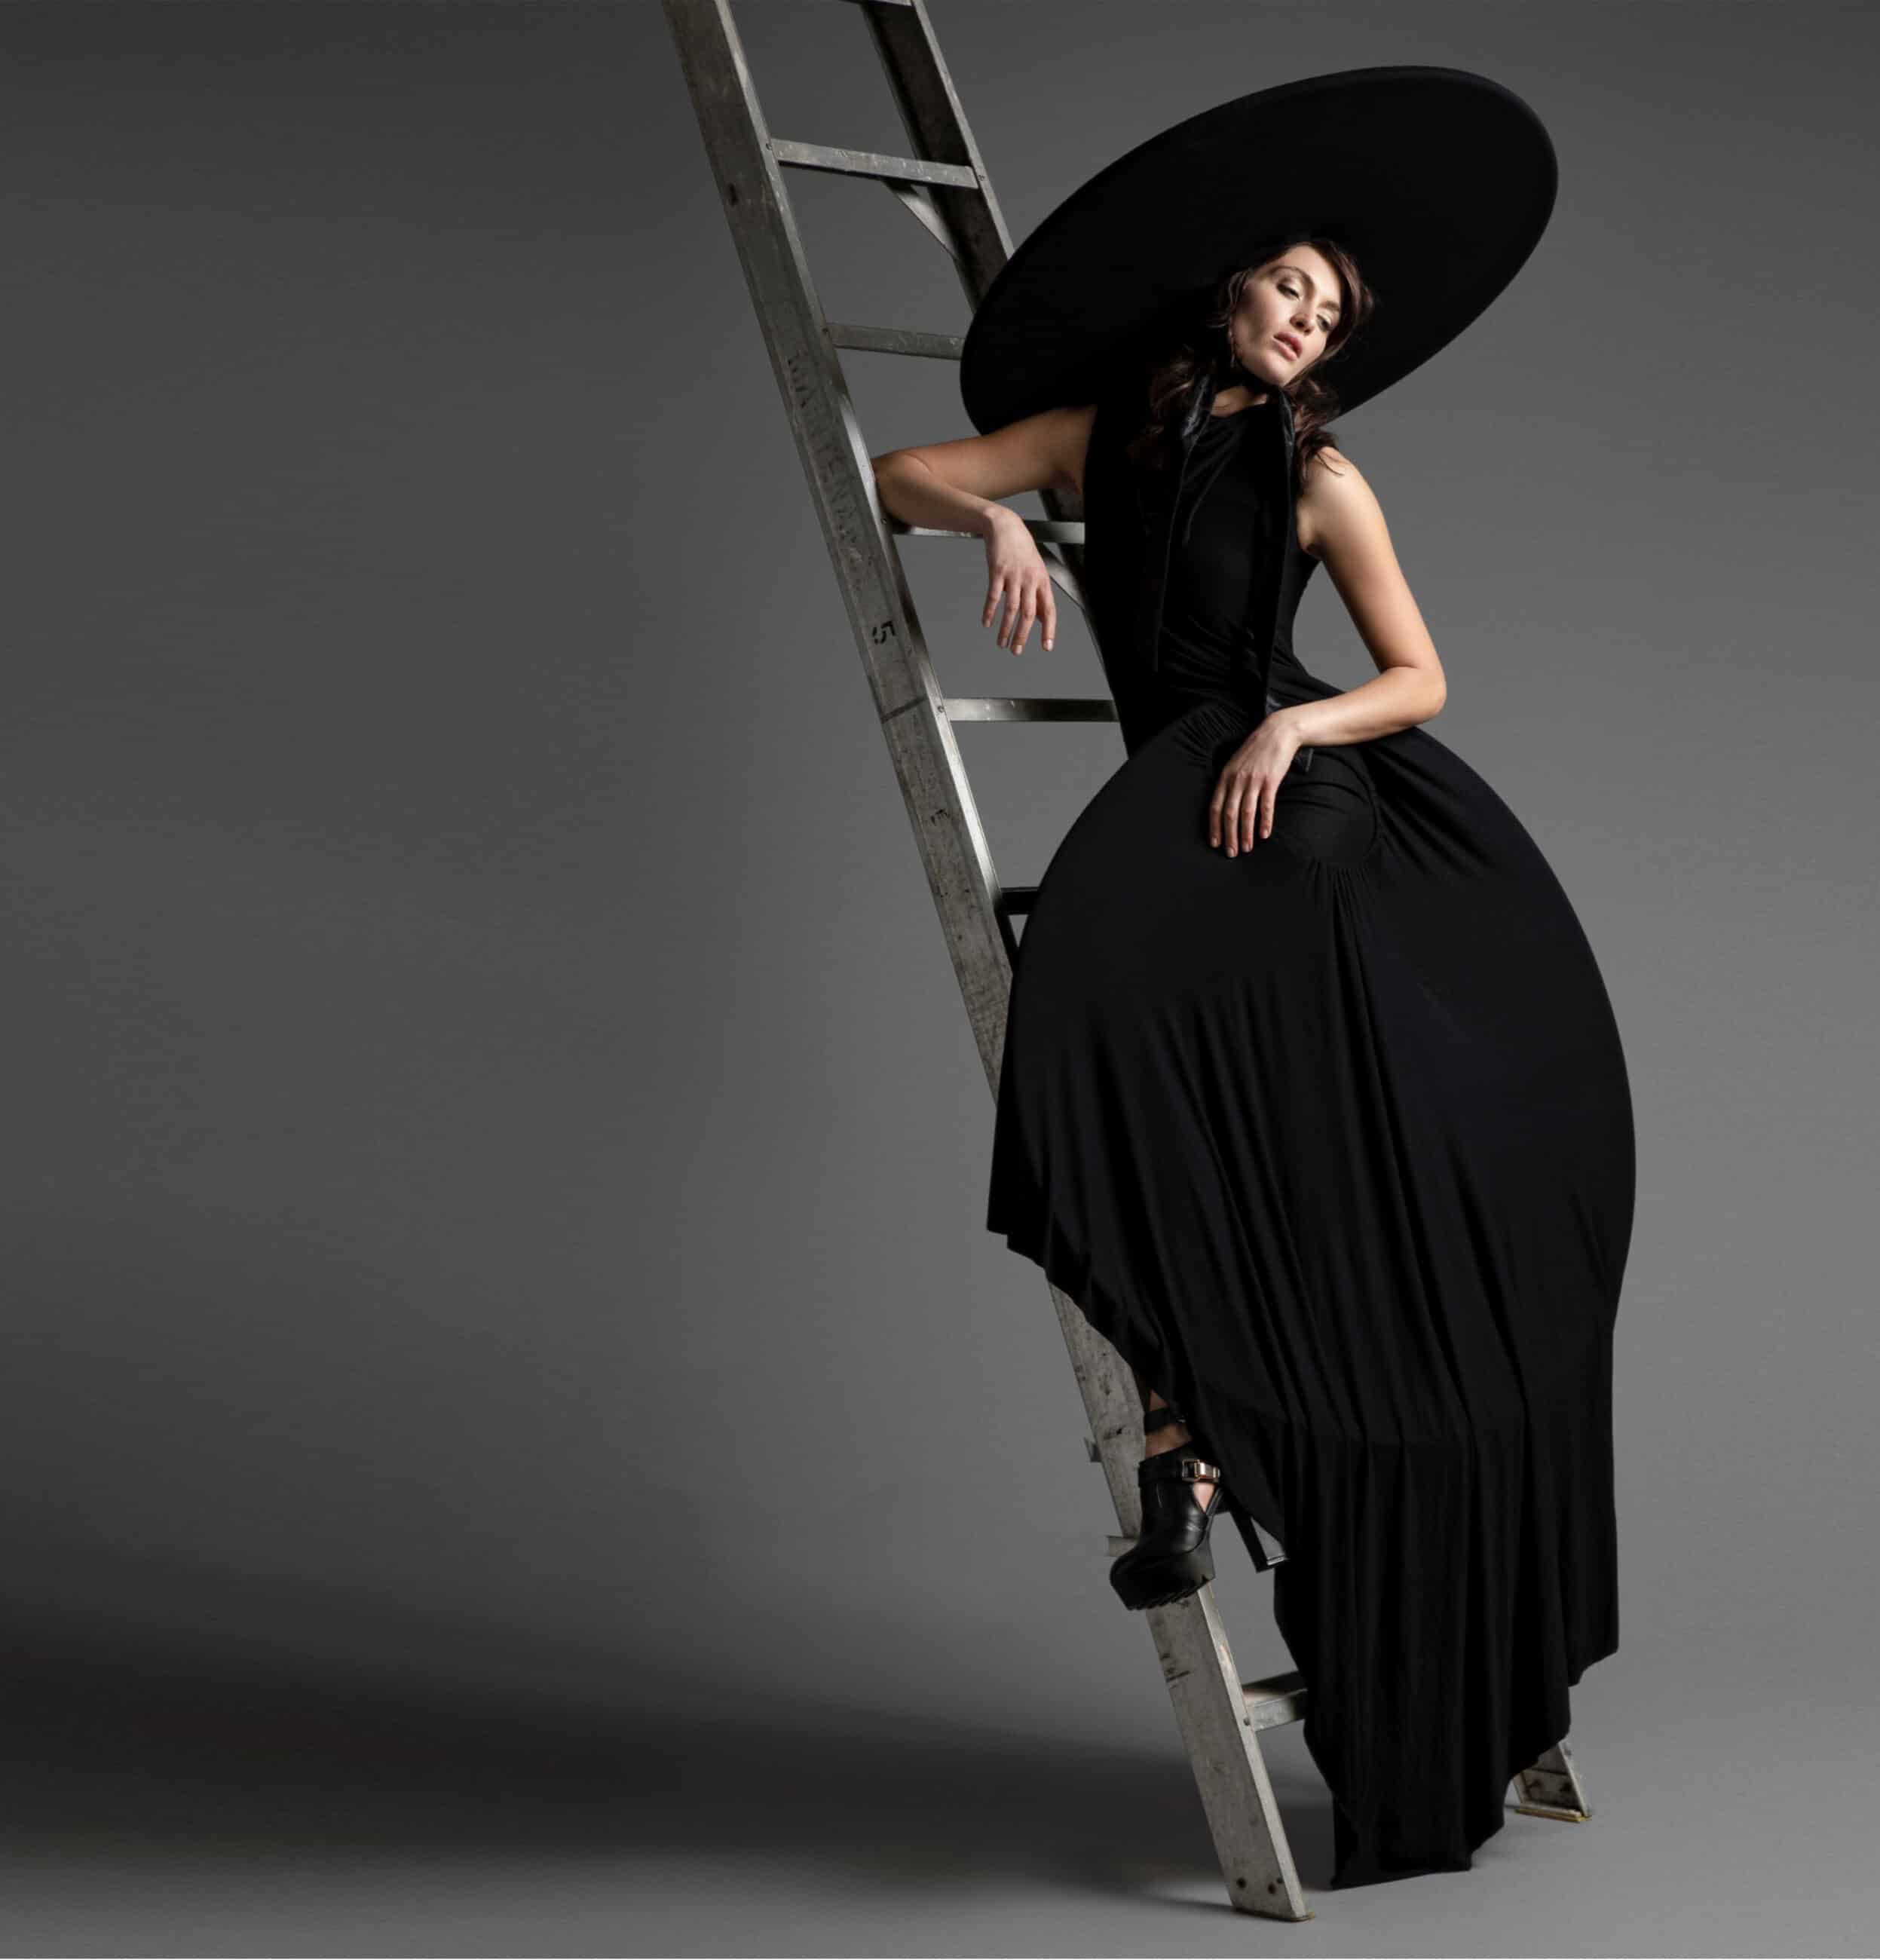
1439, 182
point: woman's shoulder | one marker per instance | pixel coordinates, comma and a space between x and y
1326, 466
1333, 492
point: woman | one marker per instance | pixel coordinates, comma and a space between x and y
1312, 1097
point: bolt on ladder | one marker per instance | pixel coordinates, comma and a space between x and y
946, 187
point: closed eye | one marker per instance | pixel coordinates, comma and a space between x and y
1291, 293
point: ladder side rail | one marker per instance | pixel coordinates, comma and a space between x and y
954, 849
935, 119
1219, 1721
1210, 1705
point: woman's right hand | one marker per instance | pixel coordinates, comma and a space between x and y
1016, 579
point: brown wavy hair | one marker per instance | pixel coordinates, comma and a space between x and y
1193, 346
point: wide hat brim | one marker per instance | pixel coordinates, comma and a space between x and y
1438, 182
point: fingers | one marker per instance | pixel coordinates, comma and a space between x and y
1256, 814
1022, 624
1230, 813
1026, 602
1037, 605
1018, 611
1241, 810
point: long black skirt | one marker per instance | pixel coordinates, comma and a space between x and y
1333, 1141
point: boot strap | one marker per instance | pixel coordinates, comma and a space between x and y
1182, 1463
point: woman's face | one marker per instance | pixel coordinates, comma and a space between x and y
1287, 310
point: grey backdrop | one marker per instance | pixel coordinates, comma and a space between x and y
517, 1438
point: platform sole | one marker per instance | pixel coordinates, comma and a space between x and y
1141, 1582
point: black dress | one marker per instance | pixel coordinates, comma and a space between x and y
1333, 1140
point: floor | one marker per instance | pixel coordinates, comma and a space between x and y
166, 1809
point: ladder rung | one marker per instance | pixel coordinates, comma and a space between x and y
872, 163
1045, 530
1276, 1699
897, 340
1017, 900
1029, 708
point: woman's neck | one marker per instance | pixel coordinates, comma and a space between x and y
1236, 398
1238, 390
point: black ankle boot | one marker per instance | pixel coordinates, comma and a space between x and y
1170, 1559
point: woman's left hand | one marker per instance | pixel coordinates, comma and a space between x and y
1243, 797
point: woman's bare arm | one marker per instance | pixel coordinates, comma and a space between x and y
955, 486
1341, 525
1341, 515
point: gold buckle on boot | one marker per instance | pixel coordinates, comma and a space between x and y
1194, 1471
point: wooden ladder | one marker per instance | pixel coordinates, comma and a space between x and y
945, 184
